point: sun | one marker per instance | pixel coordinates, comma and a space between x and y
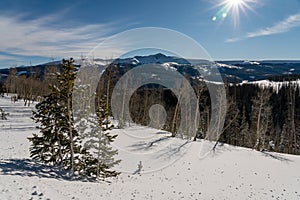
233, 7
235, 2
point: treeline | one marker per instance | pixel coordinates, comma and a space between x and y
280, 78
266, 119
30, 85
257, 117
260, 118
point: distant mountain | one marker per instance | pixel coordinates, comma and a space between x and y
231, 70
259, 70
236, 70
150, 59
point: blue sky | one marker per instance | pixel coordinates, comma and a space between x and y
36, 31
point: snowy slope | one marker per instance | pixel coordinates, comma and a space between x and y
172, 168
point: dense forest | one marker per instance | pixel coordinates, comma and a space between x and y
263, 118
260, 117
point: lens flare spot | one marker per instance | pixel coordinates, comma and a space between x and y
214, 18
224, 15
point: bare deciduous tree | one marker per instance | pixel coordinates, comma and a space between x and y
261, 116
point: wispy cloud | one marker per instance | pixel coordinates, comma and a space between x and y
7, 57
283, 26
45, 38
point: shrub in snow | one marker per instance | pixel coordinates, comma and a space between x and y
3, 114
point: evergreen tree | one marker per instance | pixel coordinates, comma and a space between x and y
95, 161
244, 130
290, 120
58, 143
2, 90
99, 143
51, 145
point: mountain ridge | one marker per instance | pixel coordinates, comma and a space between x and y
231, 70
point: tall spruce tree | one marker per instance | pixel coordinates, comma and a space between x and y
58, 143
50, 145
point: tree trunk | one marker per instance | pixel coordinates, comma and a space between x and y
70, 133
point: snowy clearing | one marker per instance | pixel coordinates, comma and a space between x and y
172, 168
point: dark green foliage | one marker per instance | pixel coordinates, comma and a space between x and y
51, 146
2, 89
278, 136
99, 143
58, 143
241, 116
244, 131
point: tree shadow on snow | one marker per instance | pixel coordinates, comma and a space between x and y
179, 150
27, 167
166, 150
147, 145
275, 156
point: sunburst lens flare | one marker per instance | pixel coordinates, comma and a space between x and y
233, 7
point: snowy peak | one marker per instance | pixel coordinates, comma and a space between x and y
150, 59
227, 66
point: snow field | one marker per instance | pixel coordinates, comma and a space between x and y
172, 168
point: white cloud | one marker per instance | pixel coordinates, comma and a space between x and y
42, 37
284, 26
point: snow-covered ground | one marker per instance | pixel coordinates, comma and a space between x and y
172, 168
